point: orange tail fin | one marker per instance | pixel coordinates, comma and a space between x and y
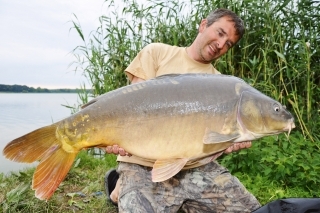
33, 146
51, 172
42, 145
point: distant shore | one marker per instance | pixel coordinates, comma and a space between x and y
25, 89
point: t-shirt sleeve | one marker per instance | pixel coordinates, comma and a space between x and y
144, 65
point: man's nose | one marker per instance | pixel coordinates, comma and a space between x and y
221, 43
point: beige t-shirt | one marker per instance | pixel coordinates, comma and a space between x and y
158, 59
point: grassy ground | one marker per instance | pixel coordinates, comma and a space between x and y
83, 189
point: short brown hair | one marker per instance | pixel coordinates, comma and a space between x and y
219, 13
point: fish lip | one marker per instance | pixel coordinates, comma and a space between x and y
289, 126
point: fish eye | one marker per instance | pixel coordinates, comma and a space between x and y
276, 107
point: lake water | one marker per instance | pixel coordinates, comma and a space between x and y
21, 113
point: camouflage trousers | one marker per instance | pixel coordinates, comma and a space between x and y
210, 188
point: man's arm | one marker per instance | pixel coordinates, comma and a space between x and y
115, 149
135, 79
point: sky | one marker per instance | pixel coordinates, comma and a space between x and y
36, 41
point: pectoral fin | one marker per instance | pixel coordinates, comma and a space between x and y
165, 169
211, 137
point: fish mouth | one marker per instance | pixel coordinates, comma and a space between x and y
289, 126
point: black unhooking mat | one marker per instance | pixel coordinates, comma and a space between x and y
291, 205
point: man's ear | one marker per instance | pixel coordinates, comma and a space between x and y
203, 25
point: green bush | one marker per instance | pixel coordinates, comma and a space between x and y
286, 163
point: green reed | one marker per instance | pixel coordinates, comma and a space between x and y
279, 55
273, 56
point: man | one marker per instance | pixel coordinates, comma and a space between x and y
198, 187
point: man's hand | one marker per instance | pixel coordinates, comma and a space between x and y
115, 149
238, 146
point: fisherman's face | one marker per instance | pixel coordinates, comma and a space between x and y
216, 39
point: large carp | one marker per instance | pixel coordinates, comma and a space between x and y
172, 120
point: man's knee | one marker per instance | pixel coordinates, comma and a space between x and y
135, 202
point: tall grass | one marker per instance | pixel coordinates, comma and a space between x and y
279, 55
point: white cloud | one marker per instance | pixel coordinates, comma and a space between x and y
36, 40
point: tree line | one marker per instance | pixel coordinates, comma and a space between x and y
25, 89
